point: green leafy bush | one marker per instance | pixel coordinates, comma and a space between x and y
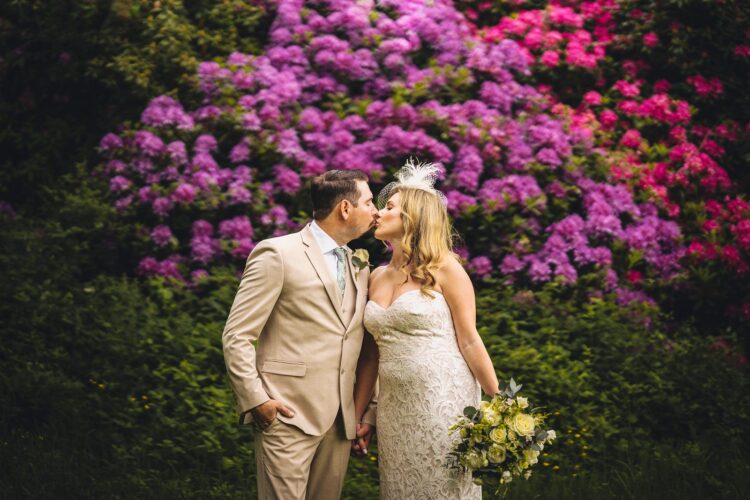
71, 71
614, 380
126, 374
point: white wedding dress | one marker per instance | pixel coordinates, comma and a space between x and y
425, 384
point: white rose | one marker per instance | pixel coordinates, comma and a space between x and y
551, 436
523, 424
506, 477
522, 402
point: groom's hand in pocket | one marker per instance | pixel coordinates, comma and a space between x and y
264, 414
362, 442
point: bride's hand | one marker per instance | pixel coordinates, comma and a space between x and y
362, 441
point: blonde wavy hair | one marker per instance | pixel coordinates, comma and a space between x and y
428, 235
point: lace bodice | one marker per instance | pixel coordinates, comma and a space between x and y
425, 384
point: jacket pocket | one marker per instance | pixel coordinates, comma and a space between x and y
290, 368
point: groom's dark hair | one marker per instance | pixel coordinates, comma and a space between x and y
328, 189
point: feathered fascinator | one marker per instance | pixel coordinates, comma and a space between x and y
413, 175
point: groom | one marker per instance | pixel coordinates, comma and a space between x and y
303, 301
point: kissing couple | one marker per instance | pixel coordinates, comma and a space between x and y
310, 333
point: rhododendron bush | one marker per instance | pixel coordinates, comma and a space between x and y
366, 86
632, 73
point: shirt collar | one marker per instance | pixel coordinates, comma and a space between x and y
325, 242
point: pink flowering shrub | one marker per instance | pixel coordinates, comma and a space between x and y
366, 86
671, 131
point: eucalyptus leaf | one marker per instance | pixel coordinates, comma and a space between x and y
470, 411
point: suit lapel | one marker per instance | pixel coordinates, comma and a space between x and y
316, 259
355, 278
352, 271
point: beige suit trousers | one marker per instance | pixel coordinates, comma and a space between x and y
293, 465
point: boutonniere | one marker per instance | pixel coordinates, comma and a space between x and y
360, 260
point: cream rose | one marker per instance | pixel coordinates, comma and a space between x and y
522, 402
490, 416
496, 454
523, 424
531, 456
473, 459
498, 435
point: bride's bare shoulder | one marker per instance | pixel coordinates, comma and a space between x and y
377, 273
450, 270
451, 264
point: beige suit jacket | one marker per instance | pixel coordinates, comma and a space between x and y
306, 354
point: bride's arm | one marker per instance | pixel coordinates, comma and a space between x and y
459, 293
367, 375
367, 365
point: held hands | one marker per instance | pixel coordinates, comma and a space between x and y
362, 441
264, 414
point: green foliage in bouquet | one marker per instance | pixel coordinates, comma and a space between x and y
501, 439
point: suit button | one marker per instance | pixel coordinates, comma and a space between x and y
346, 336
342, 371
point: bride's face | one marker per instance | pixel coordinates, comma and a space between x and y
389, 226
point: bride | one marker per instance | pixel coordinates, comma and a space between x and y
423, 346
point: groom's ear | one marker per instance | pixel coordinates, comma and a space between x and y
345, 208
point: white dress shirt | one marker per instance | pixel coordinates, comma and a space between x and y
327, 246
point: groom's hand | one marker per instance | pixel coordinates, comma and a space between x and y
362, 441
264, 414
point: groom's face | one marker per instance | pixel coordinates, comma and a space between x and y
364, 215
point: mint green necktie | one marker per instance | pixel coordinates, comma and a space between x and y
340, 253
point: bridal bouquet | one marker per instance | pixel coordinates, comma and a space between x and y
499, 440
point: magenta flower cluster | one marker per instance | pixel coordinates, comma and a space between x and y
655, 141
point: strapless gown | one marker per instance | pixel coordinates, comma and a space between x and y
425, 384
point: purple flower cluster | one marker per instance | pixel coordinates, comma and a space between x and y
497, 194
164, 111
364, 85
480, 266
204, 246
168, 268
610, 217
161, 235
